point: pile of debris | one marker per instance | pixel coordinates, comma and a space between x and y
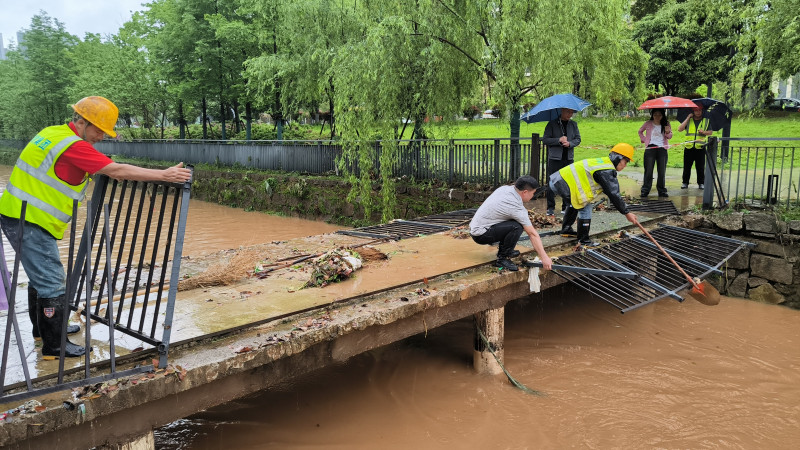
333, 266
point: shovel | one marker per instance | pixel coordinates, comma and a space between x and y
703, 292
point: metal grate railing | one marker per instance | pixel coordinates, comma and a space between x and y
632, 273
404, 229
118, 278
652, 206
753, 171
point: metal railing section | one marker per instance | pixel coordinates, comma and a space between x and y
757, 172
632, 273
118, 278
488, 161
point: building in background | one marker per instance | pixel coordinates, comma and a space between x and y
2, 48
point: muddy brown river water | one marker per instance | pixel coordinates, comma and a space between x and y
668, 375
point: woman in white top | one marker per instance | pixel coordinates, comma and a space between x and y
655, 135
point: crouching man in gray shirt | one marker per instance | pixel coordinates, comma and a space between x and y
501, 219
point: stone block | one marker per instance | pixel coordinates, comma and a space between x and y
773, 269
456, 194
740, 260
693, 221
785, 289
729, 222
754, 282
738, 287
760, 222
772, 248
794, 226
766, 294
718, 282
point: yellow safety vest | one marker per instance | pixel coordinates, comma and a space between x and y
34, 180
692, 135
579, 178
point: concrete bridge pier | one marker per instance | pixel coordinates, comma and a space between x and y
491, 323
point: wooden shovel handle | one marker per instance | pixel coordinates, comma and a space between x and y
667, 255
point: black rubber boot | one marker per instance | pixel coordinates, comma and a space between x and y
583, 234
570, 214
33, 305
51, 315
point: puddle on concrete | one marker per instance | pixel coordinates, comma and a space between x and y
669, 375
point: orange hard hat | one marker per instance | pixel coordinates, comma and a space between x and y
100, 112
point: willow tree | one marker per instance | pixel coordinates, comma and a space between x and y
390, 74
425, 58
536, 49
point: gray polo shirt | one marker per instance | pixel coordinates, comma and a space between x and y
503, 204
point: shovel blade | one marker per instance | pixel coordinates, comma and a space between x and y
706, 294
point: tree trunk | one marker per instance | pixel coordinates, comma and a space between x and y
205, 117
516, 154
222, 119
181, 121
248, 111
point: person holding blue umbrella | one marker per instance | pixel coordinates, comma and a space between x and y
561, 134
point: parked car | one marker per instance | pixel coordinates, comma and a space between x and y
785, 104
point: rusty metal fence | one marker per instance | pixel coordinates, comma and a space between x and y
117, 279
488, 161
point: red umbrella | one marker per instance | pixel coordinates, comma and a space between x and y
667, 102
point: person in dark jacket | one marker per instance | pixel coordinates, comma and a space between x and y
581, 182
561, 136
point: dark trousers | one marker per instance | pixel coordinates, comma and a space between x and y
506, 233
696, 156
554, 165
655, 156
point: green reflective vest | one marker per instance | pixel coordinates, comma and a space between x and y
579, 177
692, 135
34, 180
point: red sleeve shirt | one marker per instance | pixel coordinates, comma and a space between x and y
78, 160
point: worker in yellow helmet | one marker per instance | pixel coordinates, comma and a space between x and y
580, 182
51, 173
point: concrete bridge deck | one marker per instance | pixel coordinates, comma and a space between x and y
428, 281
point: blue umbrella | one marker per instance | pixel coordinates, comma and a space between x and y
550, 108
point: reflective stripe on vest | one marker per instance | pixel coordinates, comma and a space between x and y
579, 177
34, 180
691, 133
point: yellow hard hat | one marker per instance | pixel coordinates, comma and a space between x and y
100, 112
623, 149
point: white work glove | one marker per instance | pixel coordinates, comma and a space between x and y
533, 277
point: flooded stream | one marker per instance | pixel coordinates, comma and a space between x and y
669, 375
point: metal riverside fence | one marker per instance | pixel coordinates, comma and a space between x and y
117, 280
490, 161
759, 172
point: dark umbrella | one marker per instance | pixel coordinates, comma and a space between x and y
717, 112
667, 102
550, 108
